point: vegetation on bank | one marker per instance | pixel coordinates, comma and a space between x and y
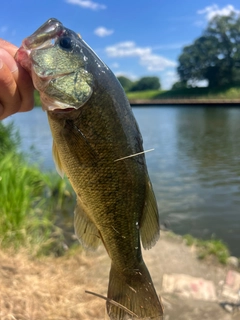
222, 93
208, 248
188, 93
29, 200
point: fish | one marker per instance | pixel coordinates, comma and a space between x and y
97, 144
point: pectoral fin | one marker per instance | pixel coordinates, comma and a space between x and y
149, 224
85, 229
57, 160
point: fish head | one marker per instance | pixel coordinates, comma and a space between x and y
57, 59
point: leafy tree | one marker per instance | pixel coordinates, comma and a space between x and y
215, 56
125, 82
179, 85
146, 83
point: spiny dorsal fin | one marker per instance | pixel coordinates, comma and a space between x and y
57, 160
149, 224
86, 231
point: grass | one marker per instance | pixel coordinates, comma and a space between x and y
29, 200
196, 93
50, 288
207, 248
148, 94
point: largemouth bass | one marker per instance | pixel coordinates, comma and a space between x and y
94, 131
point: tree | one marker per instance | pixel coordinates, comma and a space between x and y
125, 82
146, 83
215, 56
179, 85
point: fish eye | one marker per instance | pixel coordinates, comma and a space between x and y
65, 43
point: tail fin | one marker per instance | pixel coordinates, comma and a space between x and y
136, 293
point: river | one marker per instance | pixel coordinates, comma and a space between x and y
194, 168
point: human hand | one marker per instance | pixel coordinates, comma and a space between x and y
16, 87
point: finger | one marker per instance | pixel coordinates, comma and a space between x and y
22, 79
9, 95
9, 47
25, 88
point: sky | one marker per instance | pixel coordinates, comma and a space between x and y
134, 38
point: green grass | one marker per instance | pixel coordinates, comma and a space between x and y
202, 93
148, 94
29, 200
185, 93
207, 248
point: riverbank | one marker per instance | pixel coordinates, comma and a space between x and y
54, 288
190, 96
184, 101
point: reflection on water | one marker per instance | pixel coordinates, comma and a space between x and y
195, 168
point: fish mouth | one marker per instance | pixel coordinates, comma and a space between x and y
67, 110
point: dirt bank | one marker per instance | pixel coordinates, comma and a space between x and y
54, 288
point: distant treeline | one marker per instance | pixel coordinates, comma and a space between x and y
144, 83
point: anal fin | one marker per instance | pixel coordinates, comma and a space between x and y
149, 224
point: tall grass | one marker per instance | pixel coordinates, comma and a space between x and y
28, 200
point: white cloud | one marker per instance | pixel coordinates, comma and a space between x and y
88, 4
103, 32
212, 11
155, 62
152, 62
168, 79
126, 49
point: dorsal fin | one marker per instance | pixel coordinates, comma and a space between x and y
149, 224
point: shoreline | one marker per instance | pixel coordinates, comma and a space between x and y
184, 101
47, 286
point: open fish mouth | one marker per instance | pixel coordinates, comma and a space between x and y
45, 35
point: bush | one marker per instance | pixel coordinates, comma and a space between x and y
125, 82
146, 83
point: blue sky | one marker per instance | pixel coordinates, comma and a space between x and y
134, 38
